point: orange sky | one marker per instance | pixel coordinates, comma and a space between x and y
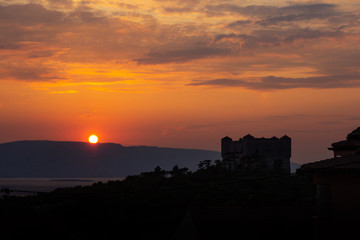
180, 74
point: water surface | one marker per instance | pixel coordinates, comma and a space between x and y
26, 186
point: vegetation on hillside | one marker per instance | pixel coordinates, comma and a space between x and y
148, 205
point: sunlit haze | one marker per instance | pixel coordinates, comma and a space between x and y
181, 73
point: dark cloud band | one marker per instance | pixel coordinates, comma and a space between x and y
277, 83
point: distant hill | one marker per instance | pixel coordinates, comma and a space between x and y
80, 159
294, 166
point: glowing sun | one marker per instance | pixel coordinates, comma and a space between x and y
93, 139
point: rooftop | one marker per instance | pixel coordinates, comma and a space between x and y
354, 135
345, 164
345, 144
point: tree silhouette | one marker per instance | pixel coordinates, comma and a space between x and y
176, 171
205, 164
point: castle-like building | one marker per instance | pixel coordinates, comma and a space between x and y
250, 153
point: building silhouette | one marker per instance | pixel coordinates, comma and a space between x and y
337, 189
348, 147
257, 153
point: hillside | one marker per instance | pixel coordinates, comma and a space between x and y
80, 159
209, 203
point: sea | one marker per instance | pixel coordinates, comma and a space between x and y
32, 186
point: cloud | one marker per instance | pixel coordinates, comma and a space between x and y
330, 122
34, 23
332, 59
181, 55
29, 71
287, 117
29, 14
85, 15
229, 44
215, 125
4, 44
67, 4
41, 54
263, 11
64, 92
276, 37
39, 40
296, 13
277, 83
253, 10
185, 9
128, 6
315, 7
239, 23
74, 36
179, 1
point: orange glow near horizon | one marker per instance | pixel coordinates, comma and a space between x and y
164, 73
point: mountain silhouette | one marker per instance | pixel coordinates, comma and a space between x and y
81, 159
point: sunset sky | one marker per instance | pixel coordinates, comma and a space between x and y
181, 73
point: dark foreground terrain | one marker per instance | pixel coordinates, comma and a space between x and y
210, 203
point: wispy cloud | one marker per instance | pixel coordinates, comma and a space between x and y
322, 36
64, 92
277, 83
181, 55
305, 11
261, 38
